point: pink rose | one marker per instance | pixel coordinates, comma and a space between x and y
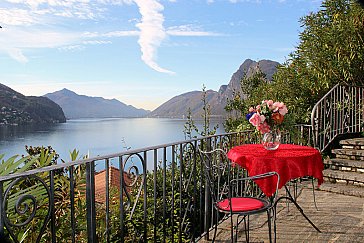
283, 111
255, 119
262, 118
269, 103
279, 104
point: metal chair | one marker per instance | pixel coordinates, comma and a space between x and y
235, 193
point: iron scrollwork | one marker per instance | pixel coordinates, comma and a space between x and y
135, 178
26, 202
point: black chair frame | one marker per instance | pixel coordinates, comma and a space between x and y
218, 172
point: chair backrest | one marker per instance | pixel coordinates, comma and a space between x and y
217, 173
227, 179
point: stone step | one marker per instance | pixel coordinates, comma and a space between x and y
352, 178
345, 164
353, 143
354, 154
342, 188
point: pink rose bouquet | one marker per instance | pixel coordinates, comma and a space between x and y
267, 115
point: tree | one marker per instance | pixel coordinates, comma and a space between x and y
331, 51
253, 90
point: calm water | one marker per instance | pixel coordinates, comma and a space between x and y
94, 136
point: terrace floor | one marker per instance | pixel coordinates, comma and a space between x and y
340, 219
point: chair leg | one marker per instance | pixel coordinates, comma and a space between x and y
246, 237
215, 230
274, 223
232, 228
213, 240
269, 226
237, 227
238, 223
246, 228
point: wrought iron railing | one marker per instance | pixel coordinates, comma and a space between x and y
339, 112
159, 196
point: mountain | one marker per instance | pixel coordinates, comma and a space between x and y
82, 106
178, 105
18, 109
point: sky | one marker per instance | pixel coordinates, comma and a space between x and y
141, 52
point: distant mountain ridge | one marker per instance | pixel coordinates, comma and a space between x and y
81, 106
18, 109
178, 105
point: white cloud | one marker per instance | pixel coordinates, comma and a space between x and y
152, 32
28, 20
115, 2
189, 30
249, 1
121, 33
23, 39
34, 38
71, 48
17, 54
34, 4
80, 9
16, 16
96, 42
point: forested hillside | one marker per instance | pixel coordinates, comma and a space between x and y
18, 109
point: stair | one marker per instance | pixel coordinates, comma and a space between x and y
344, 174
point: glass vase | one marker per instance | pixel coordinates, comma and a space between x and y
272, 139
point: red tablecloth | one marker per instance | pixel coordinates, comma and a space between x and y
289, 161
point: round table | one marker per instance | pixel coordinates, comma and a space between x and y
289, 161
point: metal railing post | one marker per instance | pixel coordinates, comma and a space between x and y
51, 205
208, 206
2, 213
90, 202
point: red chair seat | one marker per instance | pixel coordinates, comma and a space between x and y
240, 204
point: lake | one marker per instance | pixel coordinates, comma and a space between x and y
95, 136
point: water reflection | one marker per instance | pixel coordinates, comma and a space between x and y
95, 136
20, 132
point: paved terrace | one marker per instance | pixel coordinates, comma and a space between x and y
339, 217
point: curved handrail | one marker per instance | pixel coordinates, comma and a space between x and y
338, 112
